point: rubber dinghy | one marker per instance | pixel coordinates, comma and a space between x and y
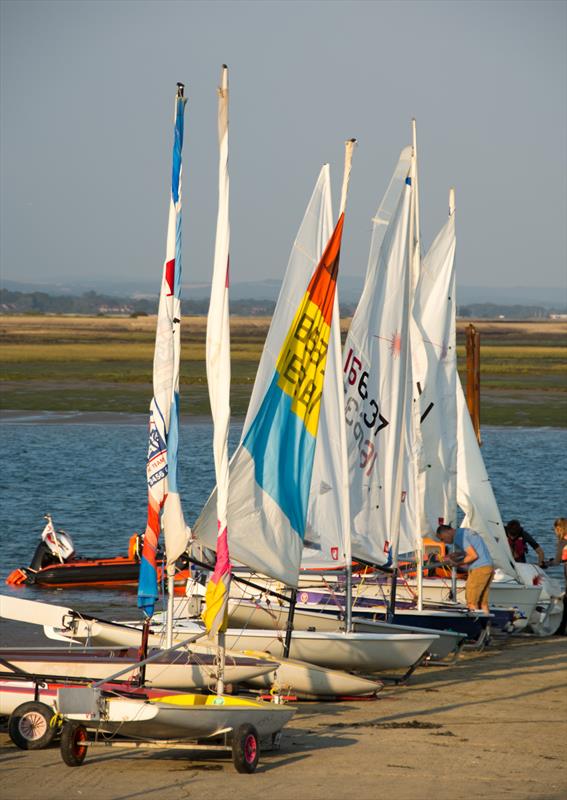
55, 565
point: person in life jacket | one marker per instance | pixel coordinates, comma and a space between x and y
135, 545
519, 539
560, 528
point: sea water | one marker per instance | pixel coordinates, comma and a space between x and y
91, 478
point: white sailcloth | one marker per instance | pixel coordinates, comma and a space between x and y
474, 491
259, 532
375, 376
452, 468
434, 364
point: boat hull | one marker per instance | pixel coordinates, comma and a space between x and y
346, 651
180, 717
178, 671
254, 615
308, 681
361, 652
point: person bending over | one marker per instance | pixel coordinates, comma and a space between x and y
519, 539
473, 554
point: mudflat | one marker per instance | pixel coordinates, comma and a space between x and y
90, 364
491, 725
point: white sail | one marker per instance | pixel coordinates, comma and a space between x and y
434, 362
327, 535
375, 360
261, 506
474, 491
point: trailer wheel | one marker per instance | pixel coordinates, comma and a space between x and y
29, 726
245, 748
73, 747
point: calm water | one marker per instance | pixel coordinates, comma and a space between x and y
91, 478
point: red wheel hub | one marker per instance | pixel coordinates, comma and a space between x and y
250, 749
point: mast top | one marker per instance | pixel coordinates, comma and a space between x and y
180, 89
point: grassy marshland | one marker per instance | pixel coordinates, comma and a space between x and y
105, 364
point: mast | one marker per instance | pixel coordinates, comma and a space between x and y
218, 378
164, 503
173, 516
339, 389
453, 568
415, 268
405, 356
345, 487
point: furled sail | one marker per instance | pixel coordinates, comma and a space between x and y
161, 465
218, 378
271, 470
376, 356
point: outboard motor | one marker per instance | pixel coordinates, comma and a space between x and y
56, 547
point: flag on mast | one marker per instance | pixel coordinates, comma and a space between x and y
218, 377
161, 464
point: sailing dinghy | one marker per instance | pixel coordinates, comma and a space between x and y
446, 469
272, 469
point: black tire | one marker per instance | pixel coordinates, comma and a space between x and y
72, 751
245, 749
29, 726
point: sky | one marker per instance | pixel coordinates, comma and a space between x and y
86, 105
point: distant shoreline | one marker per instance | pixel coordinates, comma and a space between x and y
13, 417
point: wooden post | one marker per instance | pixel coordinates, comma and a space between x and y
473, 377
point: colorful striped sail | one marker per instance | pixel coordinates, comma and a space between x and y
161, 464
218, 377
271, 470
281, 440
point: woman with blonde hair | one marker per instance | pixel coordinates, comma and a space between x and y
560, 527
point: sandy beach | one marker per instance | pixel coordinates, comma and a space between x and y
491, 725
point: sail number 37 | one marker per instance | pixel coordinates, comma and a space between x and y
366, 421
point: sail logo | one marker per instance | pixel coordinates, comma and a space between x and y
156, 464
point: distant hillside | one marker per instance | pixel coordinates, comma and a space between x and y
93, 304
550, 298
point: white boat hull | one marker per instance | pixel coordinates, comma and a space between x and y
255, 615
360, 652
179, 717
308, 681
180, 671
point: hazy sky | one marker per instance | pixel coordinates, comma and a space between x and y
86, 113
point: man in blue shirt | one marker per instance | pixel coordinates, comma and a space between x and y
472, 553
